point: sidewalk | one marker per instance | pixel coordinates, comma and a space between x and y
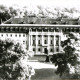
40, 65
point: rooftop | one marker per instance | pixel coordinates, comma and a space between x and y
42, 20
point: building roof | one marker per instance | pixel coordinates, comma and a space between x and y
41, 20
38, 25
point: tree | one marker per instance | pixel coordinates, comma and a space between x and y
13, 61
6, 13
67, 62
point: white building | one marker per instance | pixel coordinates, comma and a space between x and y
38, 37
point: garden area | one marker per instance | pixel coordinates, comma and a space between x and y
16, 62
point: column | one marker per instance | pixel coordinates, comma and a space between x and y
59, 42
48, 41
36, 43
29, 39
31, 43
42, 43
54, 42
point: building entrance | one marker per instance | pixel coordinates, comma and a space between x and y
45, 49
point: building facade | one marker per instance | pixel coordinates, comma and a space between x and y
38, 37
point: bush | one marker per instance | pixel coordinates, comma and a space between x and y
13, 61
67, 61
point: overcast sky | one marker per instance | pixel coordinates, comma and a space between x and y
48, 3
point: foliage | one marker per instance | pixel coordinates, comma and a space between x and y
67, 61
6, 13
12, 58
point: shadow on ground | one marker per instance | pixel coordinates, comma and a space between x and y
45, 74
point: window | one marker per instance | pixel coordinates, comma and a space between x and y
45, 30
6, 34
51, 50
23, 35
11, 35
51, 36
13, 29
39, 49
51, 30
0, 29
15, 35
57, 40
23, 42
38, 41
21, 29
8, 29
4, 29
1, 34
33, 49
57, 49
33, 42
19, 35
56, 30
45, 41
51, 42
33, 29
39, 35
45, 35
33, 35
17, 29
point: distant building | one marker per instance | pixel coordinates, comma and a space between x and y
37, 34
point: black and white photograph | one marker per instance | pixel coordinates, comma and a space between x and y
39, 39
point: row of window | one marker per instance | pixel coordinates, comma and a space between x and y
50, 50
16, 35
45, 42
45, 36
71, 29
46, 30
13, 29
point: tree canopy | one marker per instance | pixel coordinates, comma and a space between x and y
68, 62
13, 61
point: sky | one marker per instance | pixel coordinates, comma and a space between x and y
45, 3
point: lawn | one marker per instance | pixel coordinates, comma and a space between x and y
45, 74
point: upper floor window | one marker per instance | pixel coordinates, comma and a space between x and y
23, 42
23, 35
15, 35
2, 35
19, 35
51, 42
45, 41
39, 42
45, 35
33, 42
51, 50
39, 35
6, 34
11, 35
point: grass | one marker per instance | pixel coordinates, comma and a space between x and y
45, 74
